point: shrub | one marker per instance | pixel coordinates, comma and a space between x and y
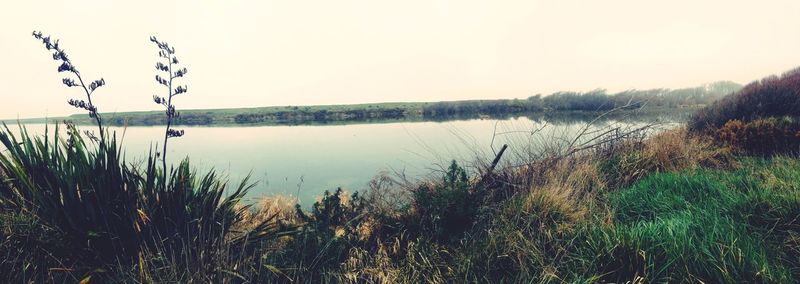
772, 96
444, 211
766, 136
329, 232
105, 214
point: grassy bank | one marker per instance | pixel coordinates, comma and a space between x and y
675, 207
714, 202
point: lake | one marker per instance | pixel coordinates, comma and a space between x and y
303, 161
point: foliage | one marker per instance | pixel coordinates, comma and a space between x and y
771, 97
328, 233
764, 137
596, 100
447, 209
486, 107
592, 101
72, 188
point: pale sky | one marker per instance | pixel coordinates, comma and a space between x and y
298, 52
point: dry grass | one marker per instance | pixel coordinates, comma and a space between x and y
671, 150
563, 195
278, 207
676, 150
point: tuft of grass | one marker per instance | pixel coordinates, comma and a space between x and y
667, 151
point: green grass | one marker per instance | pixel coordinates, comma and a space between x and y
702, 225
714, 226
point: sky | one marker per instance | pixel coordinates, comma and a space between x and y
299, 52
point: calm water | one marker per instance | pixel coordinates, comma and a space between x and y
303, 161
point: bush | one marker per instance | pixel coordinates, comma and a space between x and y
446, 210
330, 230
764, 137
770, 97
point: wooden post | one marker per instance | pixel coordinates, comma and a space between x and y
497, 159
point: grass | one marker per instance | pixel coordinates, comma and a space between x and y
703, 226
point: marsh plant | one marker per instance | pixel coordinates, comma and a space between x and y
172, 71
66, 66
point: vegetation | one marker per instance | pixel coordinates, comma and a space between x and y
99, 210
761, 119
701, 226
681, 205
763, 136
771, 97
592, 102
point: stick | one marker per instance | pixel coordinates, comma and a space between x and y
497, 159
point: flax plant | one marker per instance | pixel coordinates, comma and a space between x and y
173, 72
66, 66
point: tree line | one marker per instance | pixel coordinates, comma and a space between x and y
596, 100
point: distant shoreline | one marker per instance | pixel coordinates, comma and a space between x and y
210, 118
593, 102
